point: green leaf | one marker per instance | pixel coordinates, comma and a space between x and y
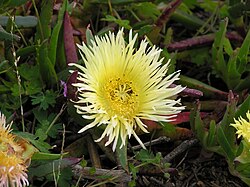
199, 56
120, 22
144, 155
92, 171
53, 131
243, 54
42, 146
208, 137
228, 47
26, 51
147, 10
134, 170
65, 177
200, 131
148, 157
211, 6
16, 91
168, 128
225, 144
245, 179
217, 49
7, 36
56, 34
228, 118
47, 156
233, 76
243, 84
143, 30
83, 163
240, 149
40, 115
7, 4
121, 154
4, 66
190, 3
211, 138
189, 21
244, 169
46, 124
20, 21
32, 87
54, 42
44, 99
244, 107
207, 90
30, 73
46, 68
89, 37
43, 26
40, 133
61, 64
4, 89
13, 3
48, 168
244, 156
116, 2
237, 8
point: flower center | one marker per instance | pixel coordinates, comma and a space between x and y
120, 97
10, 162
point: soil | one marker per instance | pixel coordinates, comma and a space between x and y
195, 168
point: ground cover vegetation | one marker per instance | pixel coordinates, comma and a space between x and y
124, 93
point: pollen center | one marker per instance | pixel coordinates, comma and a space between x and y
121, 98
10, 163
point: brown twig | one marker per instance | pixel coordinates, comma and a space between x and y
180, 149
94, 156
159, 140
119, 176
106, 149
153, 171
155, 181
93, 153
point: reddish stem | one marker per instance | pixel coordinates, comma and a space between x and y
164, 17
200, 41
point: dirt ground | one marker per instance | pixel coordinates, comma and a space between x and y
195, 168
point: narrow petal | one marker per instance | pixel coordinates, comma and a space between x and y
119, 85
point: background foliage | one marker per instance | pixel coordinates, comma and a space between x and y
207, 40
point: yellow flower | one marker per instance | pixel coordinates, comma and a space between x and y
119, 85
243, 127
12, 166
12, 171
7, 140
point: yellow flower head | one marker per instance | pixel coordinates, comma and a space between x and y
119, 86
12, 165
12, 171
243, 127
7, 140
